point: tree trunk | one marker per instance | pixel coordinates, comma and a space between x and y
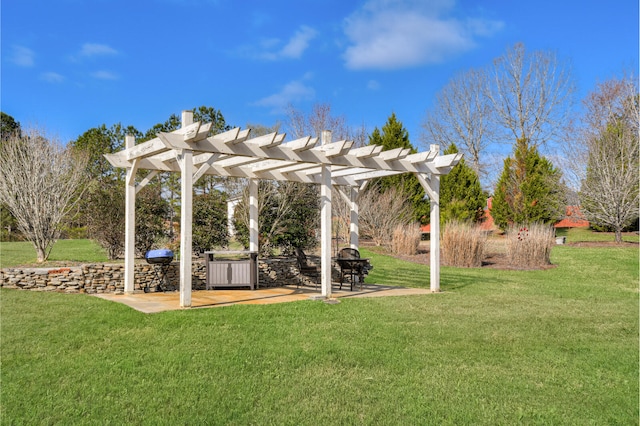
618, 235
41, 254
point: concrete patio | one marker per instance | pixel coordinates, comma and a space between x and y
160, 302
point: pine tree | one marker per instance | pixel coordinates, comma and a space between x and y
461, 196
393, 136
529, 189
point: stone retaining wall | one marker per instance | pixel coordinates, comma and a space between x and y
109, 278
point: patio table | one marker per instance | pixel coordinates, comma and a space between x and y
353, 266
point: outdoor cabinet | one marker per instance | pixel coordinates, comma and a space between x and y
231, 269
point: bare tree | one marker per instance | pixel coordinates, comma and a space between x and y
278, 204
531, 94
462, 116
39, 181
381, 213
341, 214
610, 193
298, 124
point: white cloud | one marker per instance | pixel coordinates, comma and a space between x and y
52, 77
293, 92
96, 49
299, 42
293, 49
105, 75
22, 56
483, 27
373, 85
392, 34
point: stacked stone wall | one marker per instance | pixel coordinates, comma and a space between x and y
109, 278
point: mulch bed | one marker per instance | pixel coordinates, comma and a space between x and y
492, 260
499, 260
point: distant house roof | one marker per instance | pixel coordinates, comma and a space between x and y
573, 219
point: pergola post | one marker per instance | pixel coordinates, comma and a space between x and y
130, 222
354, 229
253, 216
435, 234
185, 160
325, 222
431, 185
433, 189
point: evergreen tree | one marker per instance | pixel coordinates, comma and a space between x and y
461, 196
529, 189
8, 127
393, 136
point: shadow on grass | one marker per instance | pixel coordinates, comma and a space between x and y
459, 278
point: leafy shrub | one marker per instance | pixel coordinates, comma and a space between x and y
104, 208
151, 212
210, 227
529, 245
462, 245
288, 212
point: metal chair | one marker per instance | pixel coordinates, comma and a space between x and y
305, 268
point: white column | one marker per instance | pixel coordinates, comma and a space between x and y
253, 216
354, 230
185, 160
130, 223
435, 233
325, 222
434, 184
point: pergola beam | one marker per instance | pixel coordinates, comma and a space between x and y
146, 180
242, 155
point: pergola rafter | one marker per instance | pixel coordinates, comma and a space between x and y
191, 152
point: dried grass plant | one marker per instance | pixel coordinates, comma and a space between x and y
529, 245
406, 239
462, 245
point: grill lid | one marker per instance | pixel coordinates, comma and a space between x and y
159, 256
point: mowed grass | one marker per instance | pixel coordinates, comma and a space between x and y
22, 253
585, 234
495, 347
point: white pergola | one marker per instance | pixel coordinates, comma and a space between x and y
192, 153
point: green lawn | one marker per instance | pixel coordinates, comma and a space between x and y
22, 253
585, 234
495, 347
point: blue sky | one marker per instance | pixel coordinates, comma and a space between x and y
70, 65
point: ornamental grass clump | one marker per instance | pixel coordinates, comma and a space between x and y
529, 245
462, 245
406, 239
